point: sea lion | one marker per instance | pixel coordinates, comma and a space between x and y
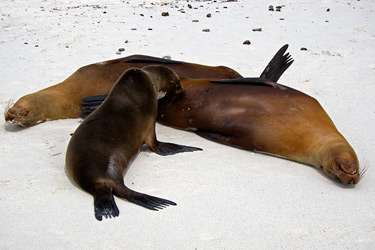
105, 144
63, 100
279, 121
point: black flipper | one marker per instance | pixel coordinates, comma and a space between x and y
89, 104
271, 74
250, 80
165, 148
278, 64
150, 59
214, 137
147, 201
105, 205
94, 98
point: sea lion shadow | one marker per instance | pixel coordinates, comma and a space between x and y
13, 128
338, 184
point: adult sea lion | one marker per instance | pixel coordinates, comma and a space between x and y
105, 144
63, 100
279, 121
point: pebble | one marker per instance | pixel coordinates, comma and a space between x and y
195, 21
304, 48
247, 42
165, 14
208, 15
270, 8
206, 30
257, 29
121, 49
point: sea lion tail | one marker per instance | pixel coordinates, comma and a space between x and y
144, 200
278, 64
105, 205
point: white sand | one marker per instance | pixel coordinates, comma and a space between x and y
227, 198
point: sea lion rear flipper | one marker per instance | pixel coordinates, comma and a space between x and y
165, 148
90, 104
277, 66
144, 200
105, 205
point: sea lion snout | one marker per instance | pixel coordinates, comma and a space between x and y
347, 170
16, 112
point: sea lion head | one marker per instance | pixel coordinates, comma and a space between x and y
343, 165
167, 83
26, 112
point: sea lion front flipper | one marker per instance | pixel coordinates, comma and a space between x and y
165, 148
214, 137
90, 104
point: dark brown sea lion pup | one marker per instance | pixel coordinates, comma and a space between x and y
105, 144
63, 100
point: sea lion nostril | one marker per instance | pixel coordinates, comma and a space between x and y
347, 169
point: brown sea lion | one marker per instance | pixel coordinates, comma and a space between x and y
279, 121
105, 144
63, 100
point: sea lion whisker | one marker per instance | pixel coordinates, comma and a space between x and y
362, 172
329, 170
9, 104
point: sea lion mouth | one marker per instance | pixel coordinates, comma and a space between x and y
20, 118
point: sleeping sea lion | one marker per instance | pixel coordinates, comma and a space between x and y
279, 121
63, 100
105, 144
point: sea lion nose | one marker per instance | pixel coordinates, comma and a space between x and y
10, 115
347, 166
15, 112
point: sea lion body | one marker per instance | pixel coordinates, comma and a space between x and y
63, 100
105, 144
279, 121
